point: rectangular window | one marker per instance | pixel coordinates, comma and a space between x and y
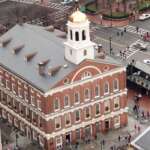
97, 91
116, 103
56, 104
26, 96
19, 92
1, 80
32, 100
117, 121
57, 123
87, 94
67, 119
39, 105
14, 88
66, 101
87, 112
77, 115
76, 97
7, 85
107, 106
97, 109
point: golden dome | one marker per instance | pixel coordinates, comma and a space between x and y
78, 17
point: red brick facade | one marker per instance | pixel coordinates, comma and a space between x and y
92, 100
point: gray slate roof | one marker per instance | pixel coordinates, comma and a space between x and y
35, 39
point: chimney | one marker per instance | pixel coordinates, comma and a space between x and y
28, 57
100, 52
6, 41
41, 69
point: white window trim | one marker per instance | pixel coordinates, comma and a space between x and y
106, 93
13, 88
87, 99
59, 118
97, 96
105, 112
76, 103
7, 84
89, 113
79, 116
58, 104
34, 134
115, 90
32, 97
26, 96
19, 92
117, 125
66, 106
99, 109
118, 102
69, 119
39, 106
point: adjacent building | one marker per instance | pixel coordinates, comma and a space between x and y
58, 91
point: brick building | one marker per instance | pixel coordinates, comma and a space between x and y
57, 90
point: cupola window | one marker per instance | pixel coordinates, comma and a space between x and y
83, 35
77, 36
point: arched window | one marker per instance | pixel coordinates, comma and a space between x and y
87, 112
85, 52
106, 88
87, 93
116, 85
71, 34
86, 75
83, 35
77, 36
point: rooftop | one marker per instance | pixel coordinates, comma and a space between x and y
25, 46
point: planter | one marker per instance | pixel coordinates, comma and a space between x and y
115, 17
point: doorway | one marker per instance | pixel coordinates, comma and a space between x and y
107, 124
68, 138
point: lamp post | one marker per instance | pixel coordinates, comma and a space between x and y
110, 45
17, 136
0, 140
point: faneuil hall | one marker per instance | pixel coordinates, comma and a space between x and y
58, 90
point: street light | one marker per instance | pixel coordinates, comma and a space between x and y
110, 46
17, 136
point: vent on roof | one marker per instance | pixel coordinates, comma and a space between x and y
50, 28
53, 71
6, 41
41, 67
28, 57
62, 35
18, 49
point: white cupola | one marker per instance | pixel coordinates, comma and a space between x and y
78, 45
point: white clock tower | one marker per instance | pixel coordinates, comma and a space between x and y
78, 45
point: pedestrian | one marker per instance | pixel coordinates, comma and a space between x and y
119, 138
143, 114
135, 126
137, 29
129, 138
125, 30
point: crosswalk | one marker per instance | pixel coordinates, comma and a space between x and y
58, 6
131, 50
133, 29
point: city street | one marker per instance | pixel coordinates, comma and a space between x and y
119, 39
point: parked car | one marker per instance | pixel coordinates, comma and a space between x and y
65, 2
140, 46
144, 17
